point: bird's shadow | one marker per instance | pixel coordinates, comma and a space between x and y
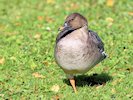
93, 80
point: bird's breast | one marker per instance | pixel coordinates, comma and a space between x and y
74, 54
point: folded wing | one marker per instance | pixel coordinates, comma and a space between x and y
98, 41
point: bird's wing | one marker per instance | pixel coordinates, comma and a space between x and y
97, 40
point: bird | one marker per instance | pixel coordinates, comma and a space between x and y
77, 48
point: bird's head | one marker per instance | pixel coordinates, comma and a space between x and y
74, 21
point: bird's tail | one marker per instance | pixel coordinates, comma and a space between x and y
104, 54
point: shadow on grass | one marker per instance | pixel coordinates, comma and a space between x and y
95, 79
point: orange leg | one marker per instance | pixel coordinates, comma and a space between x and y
72, 81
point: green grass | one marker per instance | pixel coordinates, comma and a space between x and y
28, 29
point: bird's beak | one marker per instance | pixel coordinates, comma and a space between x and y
64, 30
61, 28
65, 27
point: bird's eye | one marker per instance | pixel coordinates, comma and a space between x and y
72, 18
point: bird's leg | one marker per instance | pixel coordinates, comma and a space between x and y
72, 81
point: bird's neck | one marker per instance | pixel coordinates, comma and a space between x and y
84, 29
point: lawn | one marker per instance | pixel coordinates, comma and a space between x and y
28, 29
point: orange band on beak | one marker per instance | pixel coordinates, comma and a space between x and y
61, 28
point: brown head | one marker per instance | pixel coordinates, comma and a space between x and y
73, 21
